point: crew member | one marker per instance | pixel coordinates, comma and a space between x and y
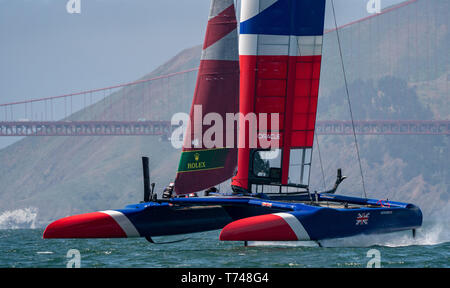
211, 190
168, 191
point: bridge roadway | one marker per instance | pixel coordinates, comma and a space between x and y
164, 128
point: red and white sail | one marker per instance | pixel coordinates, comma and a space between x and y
280, 53
217, 91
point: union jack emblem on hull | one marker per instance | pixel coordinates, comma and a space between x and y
362, 219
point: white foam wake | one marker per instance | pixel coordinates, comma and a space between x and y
430, 234
19, 218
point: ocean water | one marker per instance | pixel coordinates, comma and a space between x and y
25, 248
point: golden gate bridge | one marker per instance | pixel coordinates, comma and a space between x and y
61, 116
165, 128
18, 118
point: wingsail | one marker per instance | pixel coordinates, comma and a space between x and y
217, 91
280, 53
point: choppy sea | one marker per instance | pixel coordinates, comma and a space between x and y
25, 248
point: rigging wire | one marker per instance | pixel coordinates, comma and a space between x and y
348, 100
320, 161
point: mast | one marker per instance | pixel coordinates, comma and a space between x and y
216, 94
280, 54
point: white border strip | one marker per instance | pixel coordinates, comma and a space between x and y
279, 45
296, 226
123, 222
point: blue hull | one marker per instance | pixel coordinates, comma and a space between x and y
319, 222
245, 218
327, 223
287, 220
163, 219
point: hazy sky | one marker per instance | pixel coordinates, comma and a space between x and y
45, 51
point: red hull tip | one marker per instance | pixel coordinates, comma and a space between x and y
270, 227
90, 225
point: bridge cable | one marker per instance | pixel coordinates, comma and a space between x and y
348, 100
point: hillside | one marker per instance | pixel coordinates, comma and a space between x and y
397, 67
60, 176
68, 175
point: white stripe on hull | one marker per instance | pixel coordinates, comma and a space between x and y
295, 225
123, 222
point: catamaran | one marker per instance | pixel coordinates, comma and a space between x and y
273, 71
